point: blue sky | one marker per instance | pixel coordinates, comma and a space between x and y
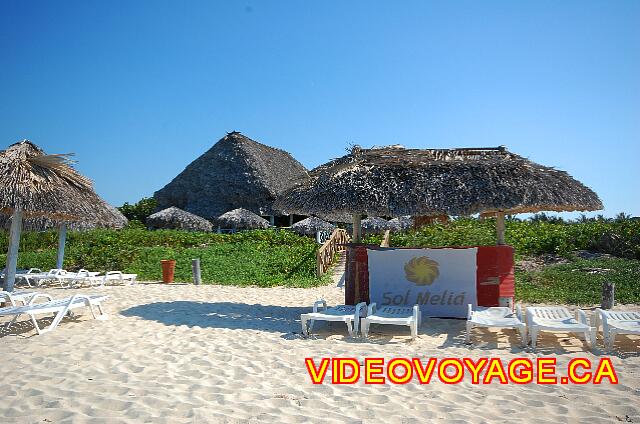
139, 89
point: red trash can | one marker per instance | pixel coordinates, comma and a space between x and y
168, 270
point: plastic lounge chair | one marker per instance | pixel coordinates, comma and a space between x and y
27, 277
394, 315
59, 308
348, 314
616, 322
16, 296
558, 319
114, 277
496, 317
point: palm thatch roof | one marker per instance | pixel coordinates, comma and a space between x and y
376, 225
236, 172
312, 225
394, 181
401, 223
174, 218
242, 219
46, 187
42, 223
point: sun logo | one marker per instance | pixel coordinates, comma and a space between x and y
421, 270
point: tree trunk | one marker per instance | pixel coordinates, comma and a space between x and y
12, 253
62, 238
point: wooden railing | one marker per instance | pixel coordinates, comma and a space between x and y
327, 252
385, 239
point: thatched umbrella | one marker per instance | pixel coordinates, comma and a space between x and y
36, 185
310, 226
175, 218
376, 225
394, 181
241, 219
401, 223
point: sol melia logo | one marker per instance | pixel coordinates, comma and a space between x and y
421, 270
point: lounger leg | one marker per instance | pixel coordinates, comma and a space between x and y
592, 337
468, 334
350, 328
414, 329
365, 328
534, 337
35, 324
311, 323
305, 330
523, 335
611, 340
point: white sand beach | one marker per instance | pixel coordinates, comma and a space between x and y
198, 354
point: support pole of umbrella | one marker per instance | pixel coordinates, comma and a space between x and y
357, 228
62, 238
12, 254
500, 228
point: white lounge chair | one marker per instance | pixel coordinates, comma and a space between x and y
27, 277
59, 308
113, 277
15, 297
394, 315
558, 319
348, 314
495, 317
616, 322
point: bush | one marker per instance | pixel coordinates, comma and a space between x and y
261, 257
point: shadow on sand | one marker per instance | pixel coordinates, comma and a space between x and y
286, 321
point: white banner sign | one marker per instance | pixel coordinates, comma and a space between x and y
441, 281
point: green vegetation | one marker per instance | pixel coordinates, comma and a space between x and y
138, 212
580, 282
268, 257
262, 258
619, 237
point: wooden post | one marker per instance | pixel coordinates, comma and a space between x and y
62, 238
291, 220
357, 228
608, 294
500, 228
12, 253
195, 270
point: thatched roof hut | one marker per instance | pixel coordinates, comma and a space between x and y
177, 219
311, 226
43, 223
401, 223
241, 219
236, 172
395, 181
36, 186
376, 225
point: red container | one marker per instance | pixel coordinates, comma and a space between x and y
168, 270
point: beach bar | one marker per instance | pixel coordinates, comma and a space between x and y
394, 181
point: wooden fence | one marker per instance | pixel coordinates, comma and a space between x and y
326, 254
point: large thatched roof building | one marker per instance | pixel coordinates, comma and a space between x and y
236, 172
177, 219
394, 181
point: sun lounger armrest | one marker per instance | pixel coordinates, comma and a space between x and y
35, 296
372, 309
320, 302
581, 316
361, 310
595, 318
34, 271
469, 311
